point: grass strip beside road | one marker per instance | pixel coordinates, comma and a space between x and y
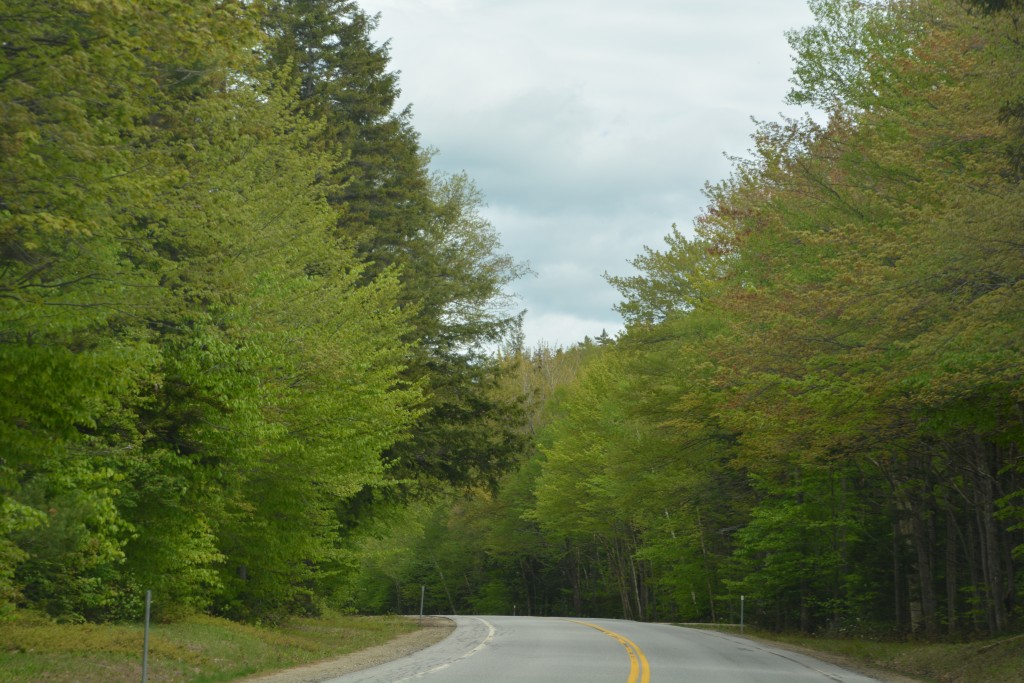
198, 649
982, 661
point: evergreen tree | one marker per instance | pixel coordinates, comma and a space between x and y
177, 379
428, 227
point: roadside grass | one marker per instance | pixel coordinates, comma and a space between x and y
985, 661
198, 649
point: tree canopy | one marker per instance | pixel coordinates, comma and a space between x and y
816, 402
219, 303
255, 356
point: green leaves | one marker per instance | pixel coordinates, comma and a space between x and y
817, 400
229, 290
841, 58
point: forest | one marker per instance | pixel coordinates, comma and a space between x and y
815, 408
256, 357
240, 316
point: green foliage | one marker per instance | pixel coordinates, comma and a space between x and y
207, 353
677, 280
817, 400
807, 551
248, 341
844, 57
426, 227
80, 85
196, 648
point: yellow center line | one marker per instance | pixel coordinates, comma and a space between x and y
639, 669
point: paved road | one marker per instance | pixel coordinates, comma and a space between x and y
548, 650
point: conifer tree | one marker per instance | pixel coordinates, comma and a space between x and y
397, 214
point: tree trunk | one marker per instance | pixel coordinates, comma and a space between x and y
977, 595
951, 570
524, 568
573, 574
617, 564
897, 577
929, 600
707, 568
991, 559
923, 602
444, 583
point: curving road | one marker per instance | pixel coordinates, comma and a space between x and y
549, 650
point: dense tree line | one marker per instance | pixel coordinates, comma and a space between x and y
817, 403
239, 317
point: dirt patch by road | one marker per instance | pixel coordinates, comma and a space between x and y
433, 630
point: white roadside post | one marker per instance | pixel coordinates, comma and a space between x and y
145, 640
743, 599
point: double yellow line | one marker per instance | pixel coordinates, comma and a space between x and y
639, 669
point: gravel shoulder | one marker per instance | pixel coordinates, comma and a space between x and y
433, 630
848, 663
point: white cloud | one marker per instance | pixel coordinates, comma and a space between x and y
551, 329
589, 125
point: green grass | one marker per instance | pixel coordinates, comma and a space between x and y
985, 661
978, 662
196, 650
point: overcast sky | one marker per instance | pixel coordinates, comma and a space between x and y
590, 126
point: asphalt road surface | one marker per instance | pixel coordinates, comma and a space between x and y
550, 650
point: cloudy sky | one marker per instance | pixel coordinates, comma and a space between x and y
590, 126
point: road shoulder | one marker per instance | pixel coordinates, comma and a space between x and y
433, 630
848, 663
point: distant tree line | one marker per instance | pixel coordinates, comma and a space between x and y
239, 317
818, 402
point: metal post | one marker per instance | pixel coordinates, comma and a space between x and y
145, 639
423, 593
743, 599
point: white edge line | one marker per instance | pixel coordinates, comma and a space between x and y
483, 643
